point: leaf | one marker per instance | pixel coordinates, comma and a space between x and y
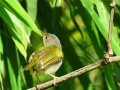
12, 77
19, 37
20, 13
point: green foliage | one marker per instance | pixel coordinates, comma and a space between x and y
82, 27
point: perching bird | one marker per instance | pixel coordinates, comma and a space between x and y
47, 58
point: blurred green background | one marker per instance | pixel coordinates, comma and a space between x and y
82, 27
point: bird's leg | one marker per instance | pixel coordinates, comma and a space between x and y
55, 78
35, 73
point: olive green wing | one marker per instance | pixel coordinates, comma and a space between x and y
44, 57
52, 56
34, 58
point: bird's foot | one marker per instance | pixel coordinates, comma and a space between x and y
55, 78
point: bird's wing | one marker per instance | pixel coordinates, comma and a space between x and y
34, 58
52, 56
44, 57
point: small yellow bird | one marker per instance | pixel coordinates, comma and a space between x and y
47, 58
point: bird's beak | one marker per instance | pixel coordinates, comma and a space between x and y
43, 34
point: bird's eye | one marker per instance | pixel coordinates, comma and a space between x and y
46, 37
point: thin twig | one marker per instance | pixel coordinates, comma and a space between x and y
110, 51
76, 73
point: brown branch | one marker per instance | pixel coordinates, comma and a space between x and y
110, 51
76, 73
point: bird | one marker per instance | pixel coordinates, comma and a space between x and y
48, 58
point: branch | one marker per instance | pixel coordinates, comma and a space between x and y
110, 51
76, 73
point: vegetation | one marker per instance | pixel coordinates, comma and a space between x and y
82, 27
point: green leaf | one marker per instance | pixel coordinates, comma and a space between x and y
12, 77
56, 3
109, 78
20, 13
32, 8
16, 30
